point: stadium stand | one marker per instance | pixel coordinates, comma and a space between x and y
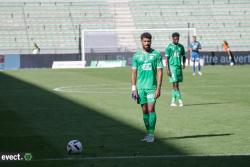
55, 24
214, 20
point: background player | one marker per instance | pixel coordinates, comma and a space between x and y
194, 48
146, 82
229, 53
175, 62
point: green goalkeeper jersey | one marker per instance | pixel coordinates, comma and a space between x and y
146, 65
175, 54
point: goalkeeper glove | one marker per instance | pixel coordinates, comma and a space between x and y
134, 94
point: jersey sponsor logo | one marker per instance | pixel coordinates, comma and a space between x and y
177, 53
147, 67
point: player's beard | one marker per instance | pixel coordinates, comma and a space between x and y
147, 48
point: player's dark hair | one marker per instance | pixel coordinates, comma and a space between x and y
146, 35
175, 34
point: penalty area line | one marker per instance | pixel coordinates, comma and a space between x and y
141, 157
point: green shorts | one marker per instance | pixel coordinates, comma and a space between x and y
146, 96
176, 74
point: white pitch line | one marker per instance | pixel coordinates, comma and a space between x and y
142, 157
105, 90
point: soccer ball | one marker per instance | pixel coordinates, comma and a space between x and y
74, 147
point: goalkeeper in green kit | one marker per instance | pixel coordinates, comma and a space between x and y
175, 62
146, 83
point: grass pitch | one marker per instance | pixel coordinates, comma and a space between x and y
41, 110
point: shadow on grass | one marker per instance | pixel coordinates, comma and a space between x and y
201, 104
41, 122
197, 136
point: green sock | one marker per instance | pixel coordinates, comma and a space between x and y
146, 120
173, 96
152, 122
178, 94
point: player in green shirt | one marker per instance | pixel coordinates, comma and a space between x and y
146, 82
175, 62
